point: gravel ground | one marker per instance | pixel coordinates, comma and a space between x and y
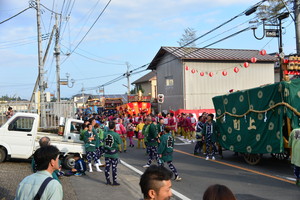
12, 173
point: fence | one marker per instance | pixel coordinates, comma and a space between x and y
54, 111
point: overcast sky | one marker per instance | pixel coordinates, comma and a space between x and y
128, 31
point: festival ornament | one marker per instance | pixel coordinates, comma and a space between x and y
236, 69
211, 74
285, 61
201, 73
186, 68
193, 71
263, 52
246, 64
224, 73
253, 60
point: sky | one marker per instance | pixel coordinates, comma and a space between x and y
127, 32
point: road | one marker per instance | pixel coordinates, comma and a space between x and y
271, 179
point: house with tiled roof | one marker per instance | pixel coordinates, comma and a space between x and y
190, 77
147, 84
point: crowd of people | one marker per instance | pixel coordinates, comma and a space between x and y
203, 131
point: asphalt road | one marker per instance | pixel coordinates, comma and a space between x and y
271, 179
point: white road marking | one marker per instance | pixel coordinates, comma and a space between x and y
174, 192
185, 142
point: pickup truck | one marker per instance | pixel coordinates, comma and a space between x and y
19, 138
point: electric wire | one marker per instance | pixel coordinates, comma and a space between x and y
86, 20
88, 30
15, 15
96, 60
52, 11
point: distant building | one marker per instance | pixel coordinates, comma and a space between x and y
183, 74
148, 84
81, 100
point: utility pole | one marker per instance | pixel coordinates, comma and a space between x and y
297, 24
41, 67
57, 56
82, 90
128, 80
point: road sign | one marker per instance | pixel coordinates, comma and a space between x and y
272, 33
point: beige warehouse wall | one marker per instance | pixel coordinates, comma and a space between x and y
200, 90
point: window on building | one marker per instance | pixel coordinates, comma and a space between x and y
169, 81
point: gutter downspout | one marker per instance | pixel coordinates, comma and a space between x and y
183, 85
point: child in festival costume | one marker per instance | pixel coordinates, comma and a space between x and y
294, 143
99, 145
139, 129
210, 132
165, 151
199, 137
130, 132
79, 168
121, 130
91, 140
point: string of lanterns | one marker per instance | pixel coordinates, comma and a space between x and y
225, 73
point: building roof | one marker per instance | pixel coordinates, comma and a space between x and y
122, 96
80, 95
208, 54
145, 78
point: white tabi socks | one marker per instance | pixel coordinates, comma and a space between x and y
97, 168
99, 162
90, 166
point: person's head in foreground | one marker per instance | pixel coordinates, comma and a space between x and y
47, 158
218, 192
156, 183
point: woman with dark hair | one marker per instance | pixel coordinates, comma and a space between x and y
218, 192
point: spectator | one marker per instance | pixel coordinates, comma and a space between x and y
9, 113
156, 183
46, 159
218, 192
45, 141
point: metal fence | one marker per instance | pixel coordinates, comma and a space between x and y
54, 111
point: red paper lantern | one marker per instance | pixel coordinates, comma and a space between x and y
253, 60
263, 52
201, 73
186, 68
246, 64
236, 69
285, 61
224, 73
211, 74
193, 71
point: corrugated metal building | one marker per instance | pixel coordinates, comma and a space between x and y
179, 73
148, 84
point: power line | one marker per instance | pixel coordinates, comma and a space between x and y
15, 15
216, 28
88, 30
96, 60
89, 13
52, 11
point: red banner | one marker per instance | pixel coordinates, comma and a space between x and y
196, 113
135, 108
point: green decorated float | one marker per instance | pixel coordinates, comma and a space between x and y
259, 120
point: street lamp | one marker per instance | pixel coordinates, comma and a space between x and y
68, 81
269, 32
